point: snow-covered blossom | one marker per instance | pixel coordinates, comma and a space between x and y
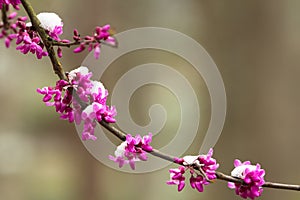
253, 177
132, 150
27, 38
92, 93
51, 22
53, 26
202, 169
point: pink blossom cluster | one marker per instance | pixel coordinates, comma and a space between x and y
14, 3
53, 26
101, 35
132, 150
27, 39
253, 177
62, 99
92, 93
207, 171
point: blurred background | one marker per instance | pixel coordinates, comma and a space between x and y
256, 47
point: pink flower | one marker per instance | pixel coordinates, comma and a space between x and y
197, 182
60, 102
90, 92
132, 150
58, 30
59, 52
88, 116
51, 22
27, 39
145, 143
253, 177
33, 45
202, 169
53, 26
177, 178
101, 35
80, 48
119, 155
14, 3
97, 51
80, 79
209, 165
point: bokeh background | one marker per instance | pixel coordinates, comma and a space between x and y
256, 47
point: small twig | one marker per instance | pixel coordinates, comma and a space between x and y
228, 178
74, 43
118, 133
4, 17
62, 44
282, 186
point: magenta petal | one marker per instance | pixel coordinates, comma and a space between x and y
59, 52
7, 42
181, 186
97, 52
132, 164
79, 49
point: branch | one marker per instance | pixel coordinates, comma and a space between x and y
122, 136
62, 44
77, 42
282, 186
115, 131
4, 16
44, 36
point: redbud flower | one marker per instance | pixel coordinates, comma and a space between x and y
27, 39
60, 102
132, 150
177, 178
202, 169
80, 48
101, 35
53, 25
253, 177
50, 22
14, 3
90, 92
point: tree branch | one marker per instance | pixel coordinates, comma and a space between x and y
4, 16
74, 43
281, 186
118, 133
62, 44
